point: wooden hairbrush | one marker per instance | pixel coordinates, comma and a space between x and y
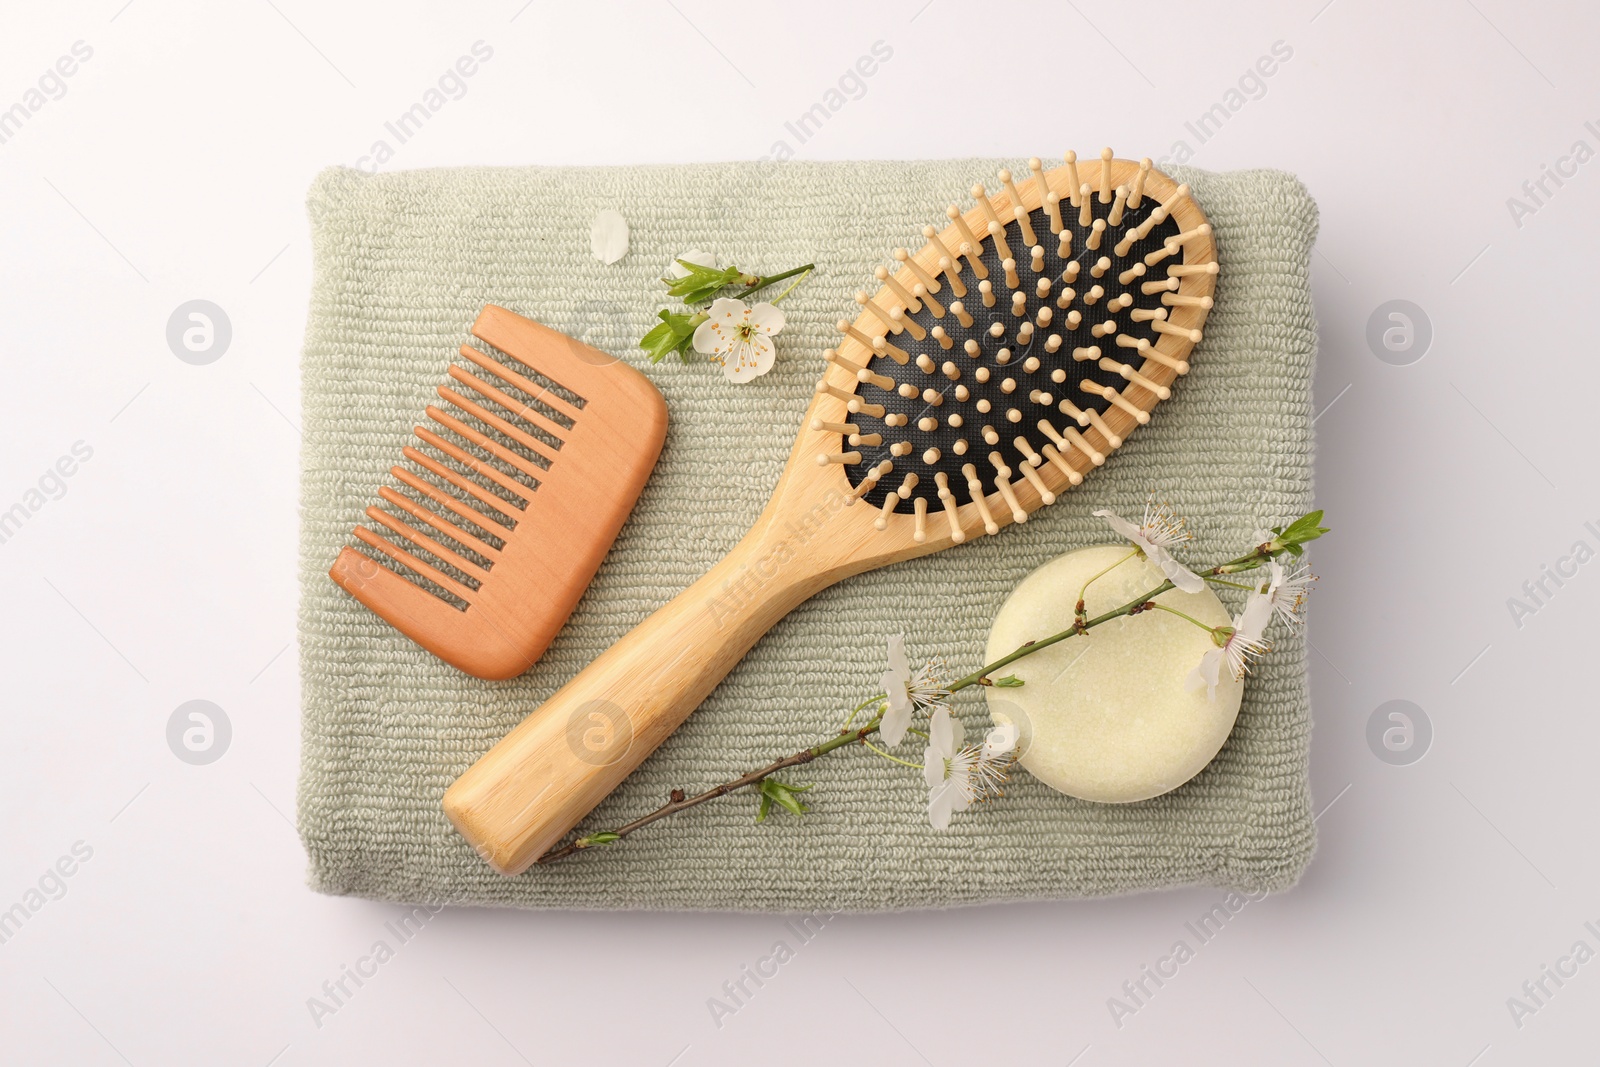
511, 496
992, 370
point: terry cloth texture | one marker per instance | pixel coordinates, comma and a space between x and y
405, 261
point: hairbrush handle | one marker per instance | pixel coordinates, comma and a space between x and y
524, 795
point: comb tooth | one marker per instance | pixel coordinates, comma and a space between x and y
1085, 204
959, 310
515, 433
1106, 156
1093, 295
1082, 354
1071, 160
1180, 239
1025, 334
1019, 304
1036, 172
1136, 197
1146, 314
943, 338
986, 291
981, 195
911, 302
948, 499
466, 485
1167, 286
1010, 267
1183, 270
899, 418
1115, 217
975, 491
869, 481
1045, 495
1096, 231
920, 507
1011, 187
1120, 302
997, 233
1160, 214
438, 521
899, 449
867, 304
890, 502
1021, 444
472, 463
952, 274
845, 458
925, 364
871, 440
1002, 482
1129, 374
931, 456
1148, 351
417, 537
1140, 415
969, 238
1036, 260
835, 427
1043, 318
877, 345
1041, 288
1052, 344
882, 381
1129, 276
932, 397
527, 385
974, 254
935, 308
1064, 300
1174, 300
1064, 249
1104, 329
849, 365
904, 258
857, 406
1052, 208
931, 235
1162, 326
1165, 251
1071, 438
1112, 437
911, 326
960, 447
427, 570
505, 400
1101, 265
908, 483
824, 386
483, 441
907, 390
1025, 225
950, 370
432, 492
1059, 462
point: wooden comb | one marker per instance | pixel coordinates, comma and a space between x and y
510, 498
992, 370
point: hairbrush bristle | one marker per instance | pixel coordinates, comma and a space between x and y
987, 383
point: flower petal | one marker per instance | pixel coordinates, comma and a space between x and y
1127, 530
941, 801
943, 737
711, 339
608, 236
1179, 575
756, 357
695, 256
899, 662
1000, 741
898, 718
767, 318
1206, 673
728, 312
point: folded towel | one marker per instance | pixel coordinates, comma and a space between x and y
405, 261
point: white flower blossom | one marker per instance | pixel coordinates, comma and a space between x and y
1288, 590
1159, 530
957, 774
908, 691
739, 337
1244, 644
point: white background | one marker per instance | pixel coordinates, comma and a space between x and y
174, 168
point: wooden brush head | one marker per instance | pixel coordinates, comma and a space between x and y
1000, 364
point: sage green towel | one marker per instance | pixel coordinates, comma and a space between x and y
405, 261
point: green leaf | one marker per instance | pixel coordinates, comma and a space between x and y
675, 333
701, 283
783, 795
1010, 681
